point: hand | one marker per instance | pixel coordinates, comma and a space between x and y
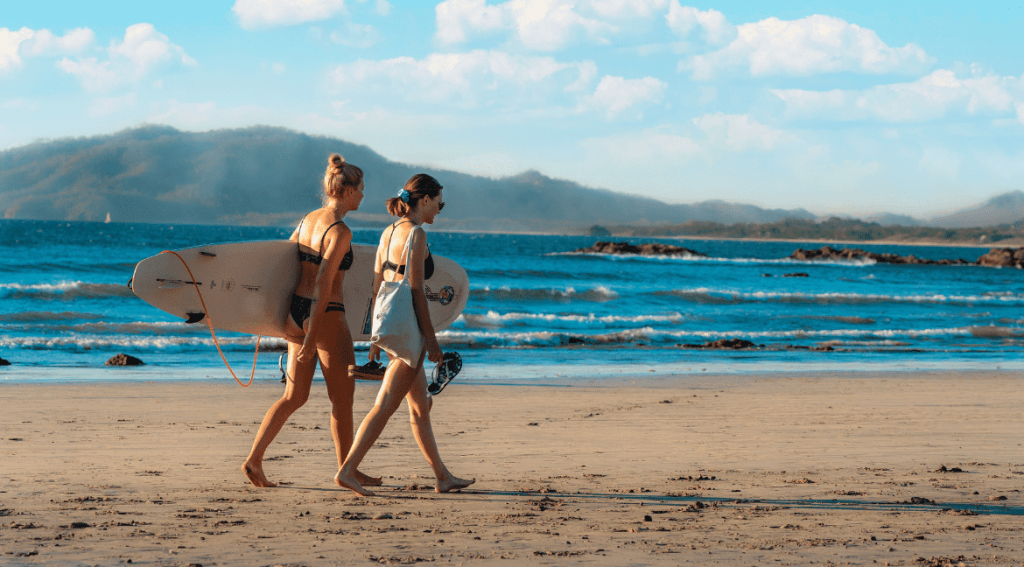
434, 352
307, 352
374, 353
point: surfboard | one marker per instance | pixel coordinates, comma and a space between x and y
247, 287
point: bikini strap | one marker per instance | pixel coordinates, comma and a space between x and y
325, 236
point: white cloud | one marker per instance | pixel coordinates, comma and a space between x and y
143, 50
45, 43
811, 45
107, 106
356, 35
459, 76
544, 25
927, 98
615, 94
195, 115
383, 7
625, 9
684, 19
268, 13
1020, 112
653, 146
10, 42
738, 132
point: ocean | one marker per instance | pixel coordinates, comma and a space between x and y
537, 311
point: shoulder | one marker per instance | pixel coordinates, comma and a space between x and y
339, 228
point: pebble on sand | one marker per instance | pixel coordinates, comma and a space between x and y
123, 360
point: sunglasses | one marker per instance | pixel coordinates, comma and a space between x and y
440, 207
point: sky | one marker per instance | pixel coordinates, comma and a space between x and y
849, 108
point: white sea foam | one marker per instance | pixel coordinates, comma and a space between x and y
712, 295
493, 319
65, 290
77, 342
596, 294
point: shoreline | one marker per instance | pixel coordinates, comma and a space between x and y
782, 468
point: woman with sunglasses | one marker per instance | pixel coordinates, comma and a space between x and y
417, 203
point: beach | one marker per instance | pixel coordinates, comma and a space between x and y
899, 468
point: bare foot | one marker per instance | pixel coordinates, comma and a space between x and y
453, 483
254, 472
352, 484
367, 480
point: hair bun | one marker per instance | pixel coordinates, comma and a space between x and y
337, 160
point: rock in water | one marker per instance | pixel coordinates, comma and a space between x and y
4, 362
1003, 258
826, 253
649, 249
123, 360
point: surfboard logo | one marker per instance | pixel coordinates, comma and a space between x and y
444, 297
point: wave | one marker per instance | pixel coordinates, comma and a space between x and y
107, 328
597, 294
714, 260
493, 319
64, 291
34, 316
139, 343
721, 296
649, 336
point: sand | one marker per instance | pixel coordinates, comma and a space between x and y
758, 470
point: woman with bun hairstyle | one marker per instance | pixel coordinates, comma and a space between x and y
316, 327
417, 203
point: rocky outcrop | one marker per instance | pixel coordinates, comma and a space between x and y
123, 360
649, 249
4, 362
827, 253
1003, 258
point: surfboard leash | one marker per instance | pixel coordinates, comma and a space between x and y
209, 324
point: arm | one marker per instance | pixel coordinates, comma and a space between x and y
332, 256
419, 299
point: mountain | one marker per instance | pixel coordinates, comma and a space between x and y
271, 176
890, 219
1007, 208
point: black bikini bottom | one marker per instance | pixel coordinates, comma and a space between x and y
302, 306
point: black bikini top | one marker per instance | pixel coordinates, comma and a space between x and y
428, 264
346, 262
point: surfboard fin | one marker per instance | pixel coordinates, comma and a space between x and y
195, 317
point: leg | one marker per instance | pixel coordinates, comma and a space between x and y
336, 355
419, 418
295, 395
397, 379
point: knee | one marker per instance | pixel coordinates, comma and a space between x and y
295, 401
419, 412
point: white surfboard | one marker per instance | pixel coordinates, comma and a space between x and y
247, 287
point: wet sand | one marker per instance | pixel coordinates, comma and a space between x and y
863, 469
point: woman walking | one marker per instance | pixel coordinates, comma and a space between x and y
316, 327
417, 203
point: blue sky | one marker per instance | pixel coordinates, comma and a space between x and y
840, 107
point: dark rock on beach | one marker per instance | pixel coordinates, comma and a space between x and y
123, 360
4, 362
1003, 258
826, 253
648, 249
734, 344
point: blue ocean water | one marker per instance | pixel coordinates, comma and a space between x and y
536, 310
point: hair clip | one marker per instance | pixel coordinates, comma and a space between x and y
403, 195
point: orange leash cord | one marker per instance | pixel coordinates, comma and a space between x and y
210, 325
